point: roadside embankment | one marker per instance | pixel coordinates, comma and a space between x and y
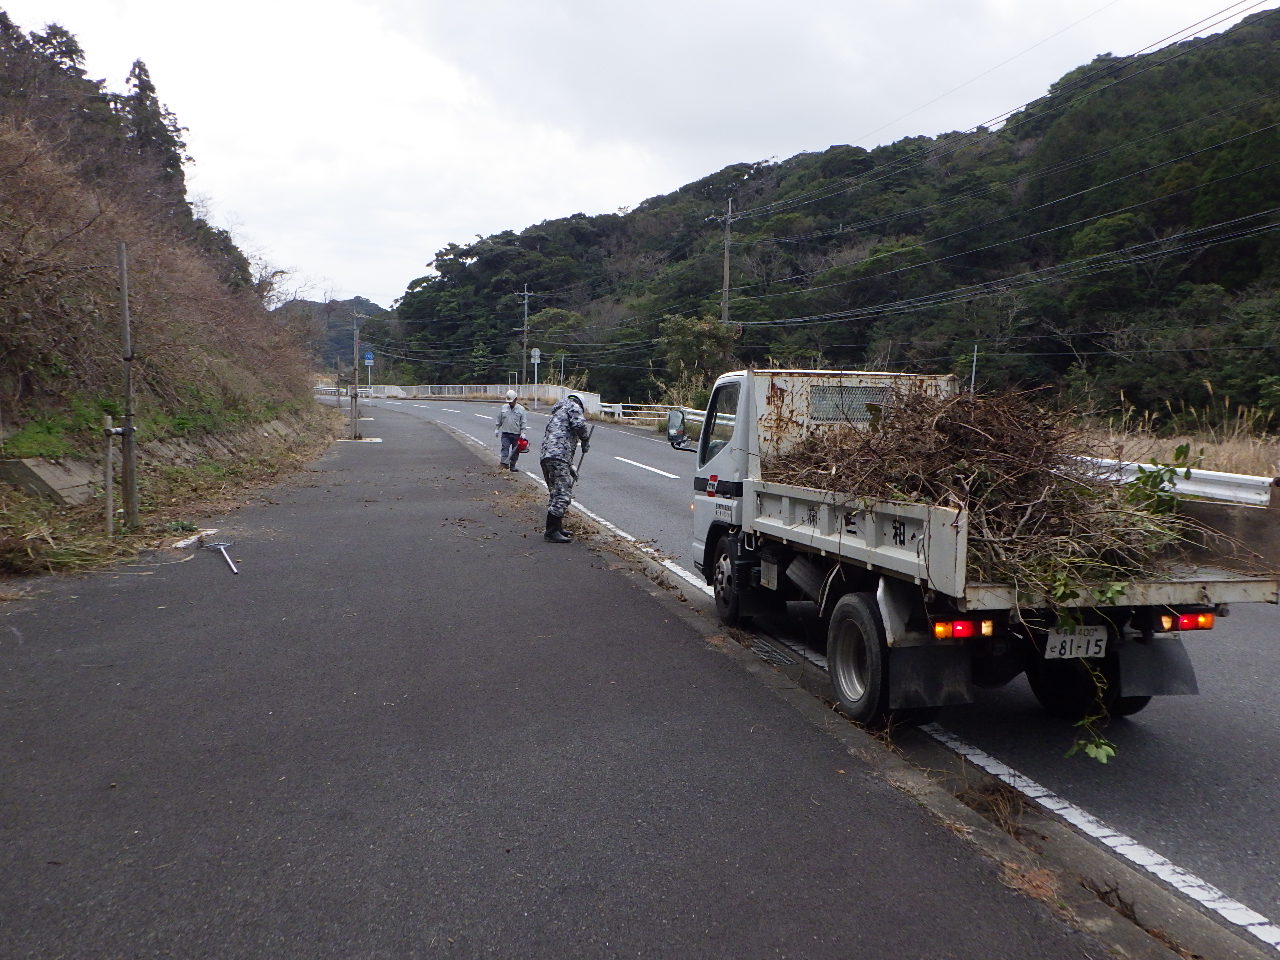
43, 532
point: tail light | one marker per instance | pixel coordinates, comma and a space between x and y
961, 629
1170, 622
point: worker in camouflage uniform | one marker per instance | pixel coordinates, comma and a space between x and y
509, 429
566, 426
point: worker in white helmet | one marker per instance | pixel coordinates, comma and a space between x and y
510, 430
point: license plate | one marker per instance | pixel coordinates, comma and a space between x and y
1076, 642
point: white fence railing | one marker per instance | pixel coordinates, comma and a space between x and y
542, 393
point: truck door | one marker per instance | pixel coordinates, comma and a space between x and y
717, 496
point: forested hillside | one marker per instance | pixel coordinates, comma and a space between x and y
1114, 239
82, 170
330, 326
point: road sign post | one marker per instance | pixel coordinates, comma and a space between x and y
535, 357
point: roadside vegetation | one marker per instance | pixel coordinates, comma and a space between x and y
39, 536
86, 173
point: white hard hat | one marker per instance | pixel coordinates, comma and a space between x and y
511, 394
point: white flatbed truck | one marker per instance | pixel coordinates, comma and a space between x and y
907, 631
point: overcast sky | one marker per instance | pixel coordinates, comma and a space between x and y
349, 140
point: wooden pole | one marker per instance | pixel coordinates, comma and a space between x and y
129, 463
109, 473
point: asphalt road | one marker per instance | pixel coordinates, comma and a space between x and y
410, 728
1197, 779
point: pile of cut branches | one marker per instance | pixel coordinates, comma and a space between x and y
1040, 516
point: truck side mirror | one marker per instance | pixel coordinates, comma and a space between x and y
676, 435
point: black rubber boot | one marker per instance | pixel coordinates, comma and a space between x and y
554, 534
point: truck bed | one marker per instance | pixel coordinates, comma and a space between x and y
928, 545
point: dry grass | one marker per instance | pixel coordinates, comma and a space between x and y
1035, 882
998, 803
197, 341
1223, 436
1257, 456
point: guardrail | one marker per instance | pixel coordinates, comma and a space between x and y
1212, 485
637, 412
647, 413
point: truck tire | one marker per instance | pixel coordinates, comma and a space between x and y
1128, 706
1066, 689
724, 584
857, 660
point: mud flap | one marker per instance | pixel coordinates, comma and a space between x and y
754, 600
1158, 668
933, 676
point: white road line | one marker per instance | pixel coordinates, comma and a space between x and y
1182, 880
694, 581
445, 409
650, 469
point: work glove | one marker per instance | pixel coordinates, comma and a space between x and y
497, 432
586, 445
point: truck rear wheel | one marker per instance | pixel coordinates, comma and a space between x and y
1067, 689
857, 660
1128, 706
724, 583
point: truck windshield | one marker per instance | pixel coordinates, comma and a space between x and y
721, 416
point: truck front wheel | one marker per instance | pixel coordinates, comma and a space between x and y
857, 660
724, 583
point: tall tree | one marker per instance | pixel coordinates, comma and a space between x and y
153, 131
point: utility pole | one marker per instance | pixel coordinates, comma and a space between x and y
129, 466
355, 376
524, 344
724, 289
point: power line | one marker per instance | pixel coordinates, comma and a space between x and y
1019, 239
1085, 266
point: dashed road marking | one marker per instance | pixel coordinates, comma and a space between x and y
643, 466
